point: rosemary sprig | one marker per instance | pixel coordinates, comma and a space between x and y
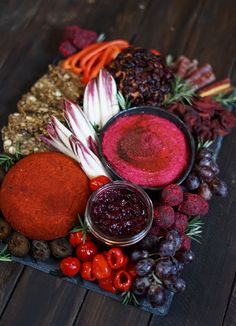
226, 99
82, 227
194, 229
8, 160
203, 144
124, 103
169, 59
101, 37
129, 298
4, 254
181, 92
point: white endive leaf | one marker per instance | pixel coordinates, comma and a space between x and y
79, 123
91, 104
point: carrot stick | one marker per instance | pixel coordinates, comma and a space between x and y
120, 43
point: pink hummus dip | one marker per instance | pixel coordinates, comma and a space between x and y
146, 149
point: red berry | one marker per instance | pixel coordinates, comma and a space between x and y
70, 266
157, 231
193, 205
172, 195
186, 242
181, 222
70, 32
164, 216
86, 251
84, 38
67, 48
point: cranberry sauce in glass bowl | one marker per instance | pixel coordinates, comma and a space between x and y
119, 213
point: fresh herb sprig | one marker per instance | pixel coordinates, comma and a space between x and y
124, 103
169, 59
181, 92
129, 298
228, 100
8, 160
82, 227
194, 229
4, 254
201, 143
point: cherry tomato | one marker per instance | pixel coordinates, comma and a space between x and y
86, 251
86, 271
122, 281
107, 285
100, 267
131, 269
70, 266
99, 181
115, 258
76, 238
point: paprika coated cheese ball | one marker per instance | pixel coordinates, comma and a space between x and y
42, 194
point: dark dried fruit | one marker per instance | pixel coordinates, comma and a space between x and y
40, 250
142, 77
60, 248
18, 245
5, 229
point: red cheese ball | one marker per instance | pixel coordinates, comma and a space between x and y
42, 194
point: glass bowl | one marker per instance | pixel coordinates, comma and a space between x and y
120, 240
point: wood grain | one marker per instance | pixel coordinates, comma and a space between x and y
205, 29
42, 300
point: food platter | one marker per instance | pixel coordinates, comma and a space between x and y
133, 136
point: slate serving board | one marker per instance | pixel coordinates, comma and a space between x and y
51, 266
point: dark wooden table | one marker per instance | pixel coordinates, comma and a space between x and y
205, 29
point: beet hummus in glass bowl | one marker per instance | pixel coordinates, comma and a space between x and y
147, 146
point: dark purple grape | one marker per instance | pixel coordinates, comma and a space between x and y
204, 153
185, 256
192, 182
205, 161
174, 236
177, 267
206, 173
175, 284
144, 266
156, 295
219, 187
149, 242
205, 191
138, 255
164, 267
167, 248
215, 168
141, 285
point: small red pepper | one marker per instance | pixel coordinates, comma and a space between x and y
131, 269
100, 267
107, 285
86, 271
98, 182
122, 281
115, 258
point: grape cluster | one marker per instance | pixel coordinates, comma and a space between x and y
203, 178
159, 263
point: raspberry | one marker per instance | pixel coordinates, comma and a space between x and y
181, 222
193, 205
164, 216
70, 32
67, 48
83, 38
172, 195
186, 242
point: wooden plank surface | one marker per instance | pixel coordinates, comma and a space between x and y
201, 29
